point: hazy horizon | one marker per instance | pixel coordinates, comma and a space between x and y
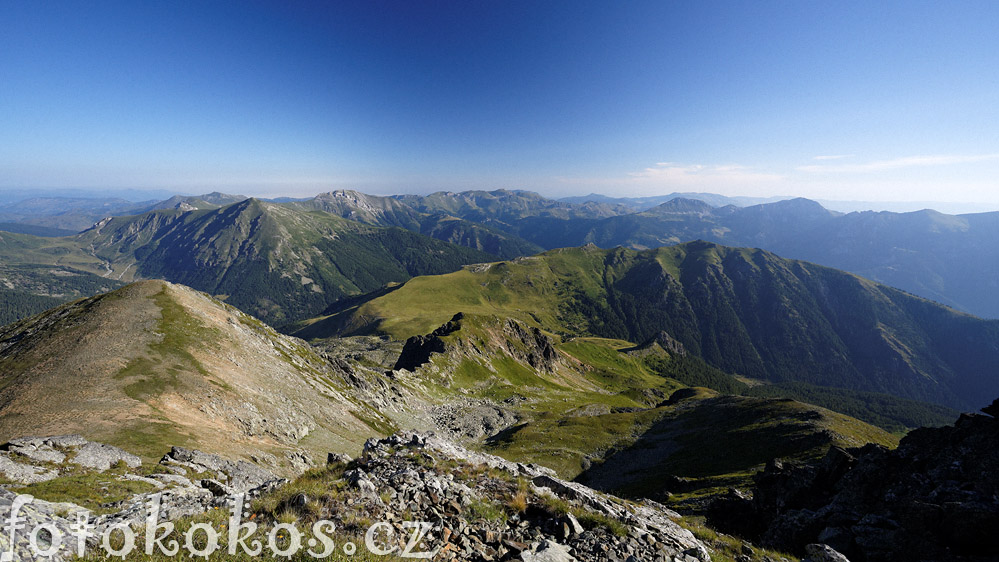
137, 195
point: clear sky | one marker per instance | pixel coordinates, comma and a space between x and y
835, 100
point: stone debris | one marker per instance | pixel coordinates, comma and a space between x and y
467, 498
461, 493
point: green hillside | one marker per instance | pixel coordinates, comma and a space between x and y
588, 402
747, 312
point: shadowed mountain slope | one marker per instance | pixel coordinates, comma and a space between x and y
271, 260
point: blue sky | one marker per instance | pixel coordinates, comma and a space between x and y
835, 100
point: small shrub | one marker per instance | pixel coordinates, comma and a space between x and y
518, 502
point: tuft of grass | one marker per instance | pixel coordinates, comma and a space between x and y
592, 520
518, 502
554, 505
486, 509
323, 486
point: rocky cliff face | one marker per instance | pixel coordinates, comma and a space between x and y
934, 498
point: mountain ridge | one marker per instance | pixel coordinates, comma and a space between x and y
192, 371
744, 311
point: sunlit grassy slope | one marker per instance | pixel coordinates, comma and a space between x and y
744, 311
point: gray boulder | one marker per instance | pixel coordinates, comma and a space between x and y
42, 452
548, 551
823, 553
102, 457
23, 473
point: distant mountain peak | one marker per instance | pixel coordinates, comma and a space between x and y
682, 205
798, 204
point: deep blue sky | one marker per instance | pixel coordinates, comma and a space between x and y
836, 100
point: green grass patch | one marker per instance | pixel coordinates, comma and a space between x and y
89, 489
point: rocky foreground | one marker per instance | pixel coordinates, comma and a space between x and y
485, 508
184, 483
476, 507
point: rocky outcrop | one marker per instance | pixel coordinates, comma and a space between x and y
419, 349
192, 483
530, 345
660, 342
229, 476
470, 499
28, 460
23, 473
934, 498
526, 344
479, 508
823, 553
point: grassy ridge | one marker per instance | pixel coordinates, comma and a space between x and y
746, 312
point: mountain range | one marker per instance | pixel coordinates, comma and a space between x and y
946, 258
275, 261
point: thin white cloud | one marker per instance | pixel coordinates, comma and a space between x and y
694, 175
666, 177
833, 157
900, 163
